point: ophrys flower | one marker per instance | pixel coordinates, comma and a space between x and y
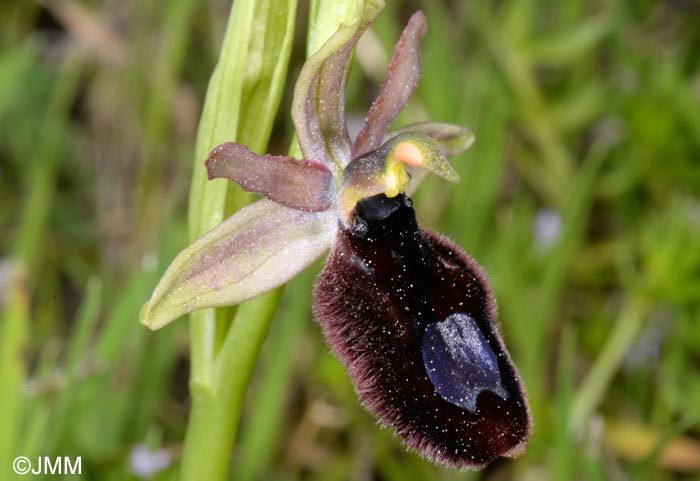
406, 311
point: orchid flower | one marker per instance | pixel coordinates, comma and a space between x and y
406, 311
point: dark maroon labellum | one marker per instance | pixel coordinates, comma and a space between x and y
411, 317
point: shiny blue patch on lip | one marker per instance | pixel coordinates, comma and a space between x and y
460, 362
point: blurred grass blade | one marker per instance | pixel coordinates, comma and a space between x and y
40, 185
608, 361
14, 320
572, 44
562, 447
537, 332
15, 67
77, 348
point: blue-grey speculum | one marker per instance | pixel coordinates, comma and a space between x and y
459, 361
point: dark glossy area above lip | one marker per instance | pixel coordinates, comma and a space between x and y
379, 207
383, 218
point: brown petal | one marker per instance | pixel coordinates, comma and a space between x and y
298, 184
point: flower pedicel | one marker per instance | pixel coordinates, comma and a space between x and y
407, 312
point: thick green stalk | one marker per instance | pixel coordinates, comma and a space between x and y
216, 407
241, 101
253, 63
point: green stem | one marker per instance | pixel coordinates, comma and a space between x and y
259, 34
216, 405
223, 353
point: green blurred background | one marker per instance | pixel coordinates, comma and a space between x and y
581, 198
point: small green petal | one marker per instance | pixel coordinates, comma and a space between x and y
454, 139
418, 151
389, 169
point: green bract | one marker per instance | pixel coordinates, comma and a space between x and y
268, 242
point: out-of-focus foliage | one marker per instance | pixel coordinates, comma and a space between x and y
581, 198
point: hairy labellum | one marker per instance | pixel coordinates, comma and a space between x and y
411, 317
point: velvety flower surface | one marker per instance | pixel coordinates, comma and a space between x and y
407, 312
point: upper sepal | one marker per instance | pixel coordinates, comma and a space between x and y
318, 107
260, 247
